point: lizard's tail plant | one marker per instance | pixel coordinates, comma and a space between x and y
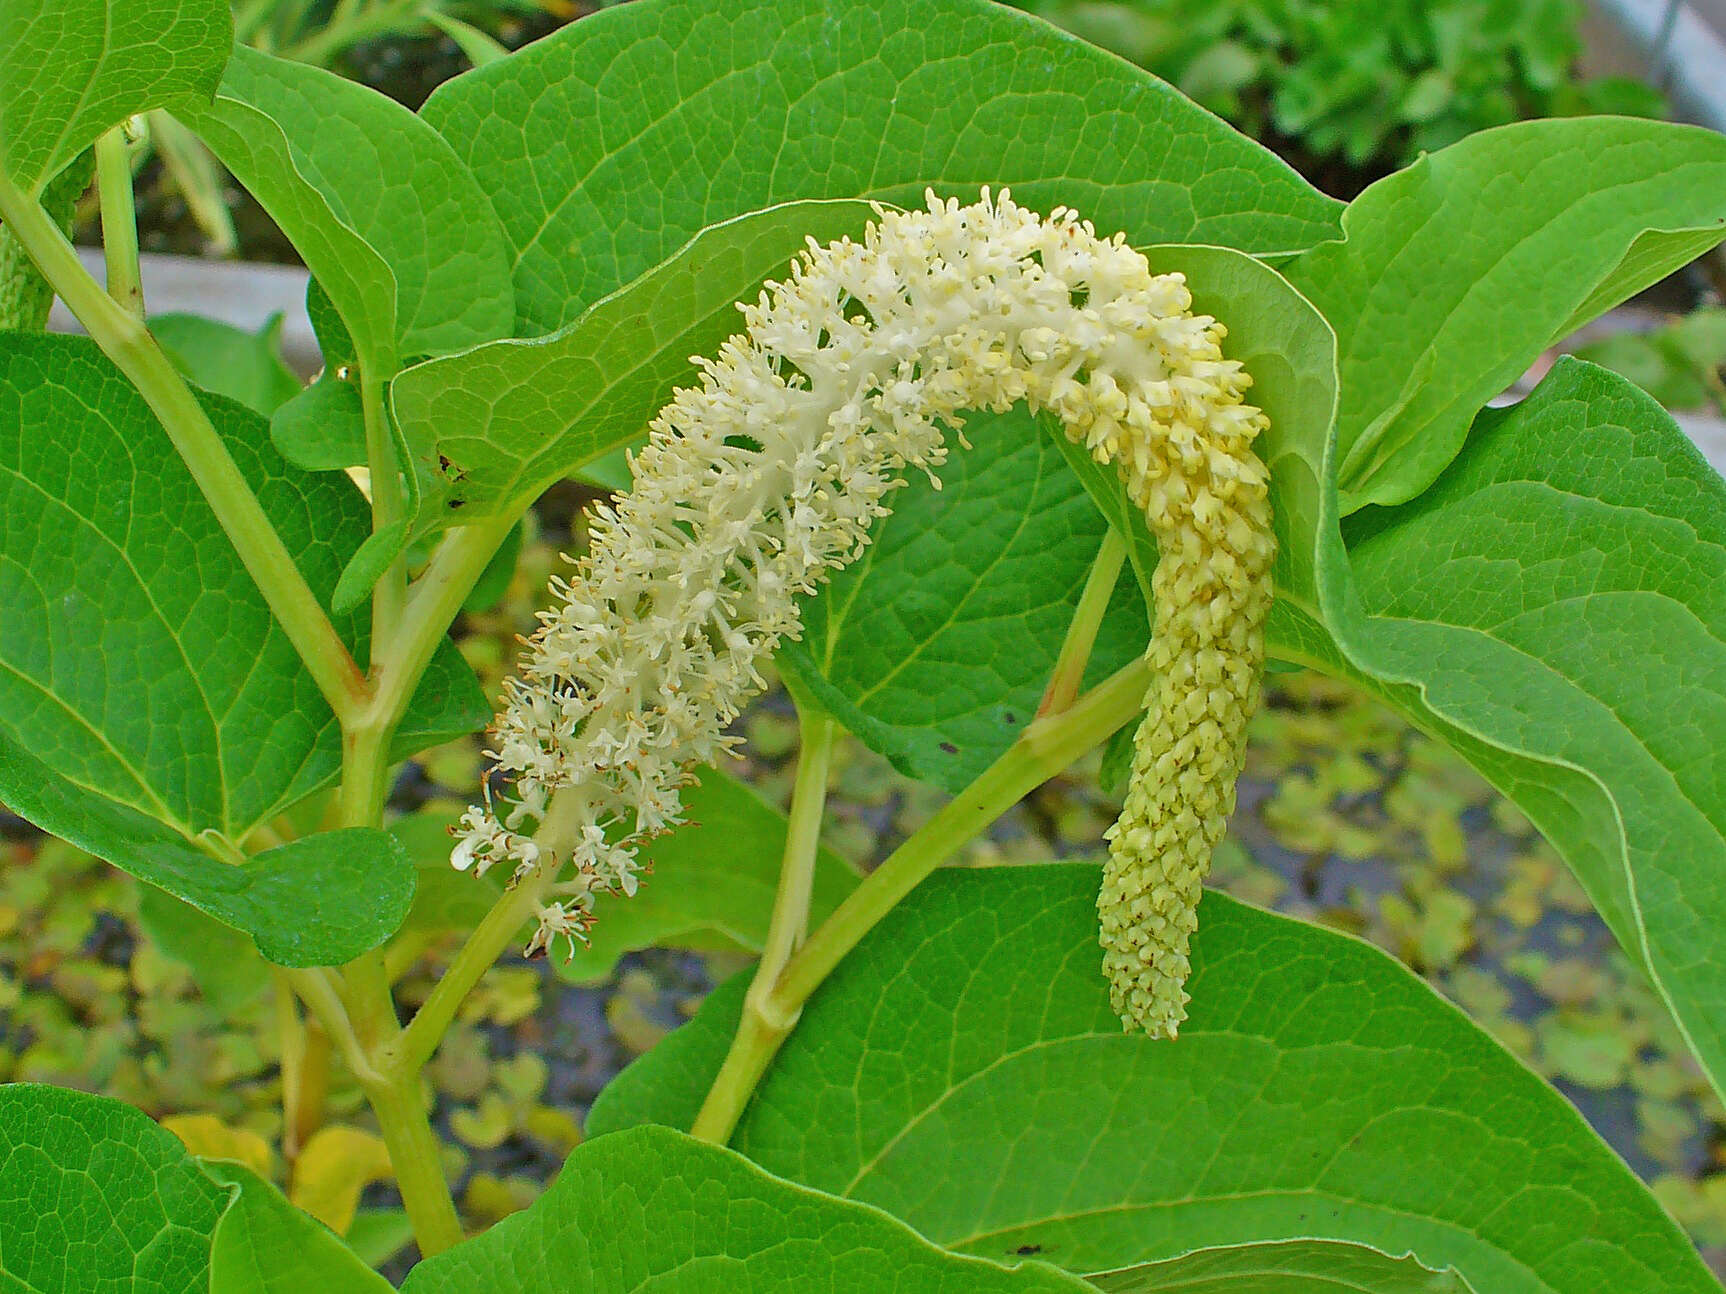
756, 484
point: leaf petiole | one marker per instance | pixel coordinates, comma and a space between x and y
126, 342
119, 220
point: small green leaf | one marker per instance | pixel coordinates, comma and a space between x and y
366, 567
715, 876
1286, 1267
70, 69
1457, 272
478, 47
654, 1209
264, 1245
151, 710
230, 361
325, 899
936, 645
323, 428
495, 425
963, 1070
699, 113
98, 1196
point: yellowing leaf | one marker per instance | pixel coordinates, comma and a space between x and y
336, 1165
209, 1138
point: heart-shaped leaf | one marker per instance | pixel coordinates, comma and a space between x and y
99, 1196
963, 1069
654, 1209
71, 69
609, 144
151, 710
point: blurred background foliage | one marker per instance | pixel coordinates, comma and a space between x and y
1368, 83
1347, 815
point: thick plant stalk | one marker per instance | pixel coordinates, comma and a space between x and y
25, 297
759, 482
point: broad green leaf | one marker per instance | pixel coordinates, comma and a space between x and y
653, 1209
494, 426
70, 69
712, 879
151, 710
400, 187
607, 145
1287, 1267
1555, 608
97, 1196
324, 427
1456, 273
264, 1245
963, 1070
244, 366
225, 964
936, 645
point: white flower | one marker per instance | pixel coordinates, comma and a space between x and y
765, 477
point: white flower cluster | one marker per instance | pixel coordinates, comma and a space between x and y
764, 478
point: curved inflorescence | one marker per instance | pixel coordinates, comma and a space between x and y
757, 483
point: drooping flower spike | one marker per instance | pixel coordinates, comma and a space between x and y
760, 481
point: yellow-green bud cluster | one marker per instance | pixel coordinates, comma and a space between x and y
764, 478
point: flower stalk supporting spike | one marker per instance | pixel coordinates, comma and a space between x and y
764, 1021
1069, 672
760, 481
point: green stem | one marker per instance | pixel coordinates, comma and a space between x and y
119, 221
1046, 747
417, 1159
370, 1015
431, 607
198, 177
317, 989
1069, 672
485, 943
763, 1026
129, 345
25, 296
388, 504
